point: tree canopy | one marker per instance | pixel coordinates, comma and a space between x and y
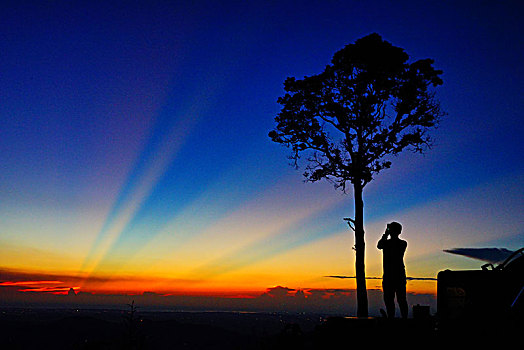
368, 103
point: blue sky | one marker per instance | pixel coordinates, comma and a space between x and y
134, 129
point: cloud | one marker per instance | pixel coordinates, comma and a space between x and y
379, 278
352, 277
41, 282
13, 278
27, 283
279, 292
491, 255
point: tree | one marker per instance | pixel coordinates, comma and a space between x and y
368, 104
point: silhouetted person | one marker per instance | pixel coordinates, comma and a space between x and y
394, 272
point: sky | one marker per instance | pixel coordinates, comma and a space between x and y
134, 153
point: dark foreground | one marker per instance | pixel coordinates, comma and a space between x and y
115, 329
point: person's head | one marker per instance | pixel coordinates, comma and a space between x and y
394, 229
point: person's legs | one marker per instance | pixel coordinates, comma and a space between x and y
389, 298
401, 299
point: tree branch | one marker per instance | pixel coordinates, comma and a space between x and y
351, 223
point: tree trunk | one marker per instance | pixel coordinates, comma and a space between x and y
360, 249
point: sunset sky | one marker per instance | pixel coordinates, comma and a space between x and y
134, 153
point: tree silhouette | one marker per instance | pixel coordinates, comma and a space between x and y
367, 104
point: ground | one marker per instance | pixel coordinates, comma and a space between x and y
113, 329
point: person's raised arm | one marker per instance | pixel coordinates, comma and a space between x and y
382, 241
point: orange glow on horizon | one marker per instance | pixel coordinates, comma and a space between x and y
226, 286
138, 287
